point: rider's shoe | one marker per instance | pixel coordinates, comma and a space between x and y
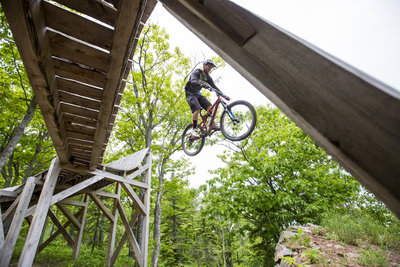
194, 135
216, 127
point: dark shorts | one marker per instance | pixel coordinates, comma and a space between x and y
197, 101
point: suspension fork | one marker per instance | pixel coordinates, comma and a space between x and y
228, 110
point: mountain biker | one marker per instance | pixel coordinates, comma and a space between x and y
199, 79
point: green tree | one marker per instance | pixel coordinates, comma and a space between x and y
276, 178
154, 110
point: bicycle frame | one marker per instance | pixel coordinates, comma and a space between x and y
213, 110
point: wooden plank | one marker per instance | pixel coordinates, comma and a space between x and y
78, 72
64, 47
136, 200
124, 238
88, 113
79, 129
69, 215
30, 37
113, 227
78, 240
81, 136
77, 26
61, 228
72, 202
138, 172
1, 230
15, 226
94, 8
57, 233
117, 178
11, 209
79, 88
78, 100
6, 193
102, 193
68, 192
125, 31
146, 203
103, 207
39, 217
71, 118
129, 232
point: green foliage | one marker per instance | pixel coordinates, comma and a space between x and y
354, 228
300, 239
313, 255
373, 258
291, 262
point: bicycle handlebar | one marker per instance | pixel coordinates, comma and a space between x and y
219, 93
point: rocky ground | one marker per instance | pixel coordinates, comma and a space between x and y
313, 246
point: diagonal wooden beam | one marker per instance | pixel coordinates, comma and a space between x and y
117, 178
15, 227
33, 236
57, 233
61, 228
11, 209
124, 238
1, 230
126, 28
69, 215
136, 200
146, 203
68, 192
131, 236
103, 207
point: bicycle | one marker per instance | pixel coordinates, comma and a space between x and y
237, 122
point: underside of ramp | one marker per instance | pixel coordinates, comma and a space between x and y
354, 117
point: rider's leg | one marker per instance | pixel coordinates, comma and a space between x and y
195, 117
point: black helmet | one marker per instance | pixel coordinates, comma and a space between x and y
209, 62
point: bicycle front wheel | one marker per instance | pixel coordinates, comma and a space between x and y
238, 120
191, 146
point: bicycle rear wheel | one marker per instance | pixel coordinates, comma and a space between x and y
238, 120
191, 147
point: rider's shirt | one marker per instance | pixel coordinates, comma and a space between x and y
194, 85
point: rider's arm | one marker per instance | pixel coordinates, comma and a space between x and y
211, 82
194, 78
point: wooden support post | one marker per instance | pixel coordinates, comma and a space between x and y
39, 217
113, 227
1, 230
77, 244
146, 221
18, 219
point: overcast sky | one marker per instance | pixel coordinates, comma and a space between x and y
362, 33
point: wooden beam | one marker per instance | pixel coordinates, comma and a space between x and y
1, 230
123, 239
57, 233
69, 215
113, 227
33, 236
68, 192
131, 236
61, 228
11, 209
102, 207
136, 200
78, 241
72, 202
120, 179
105, 194
16, 224
126, 28
146, 203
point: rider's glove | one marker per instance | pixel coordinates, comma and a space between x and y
207, 86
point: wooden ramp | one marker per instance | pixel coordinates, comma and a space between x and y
77, 54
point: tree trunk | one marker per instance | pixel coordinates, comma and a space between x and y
19, 131
157, 222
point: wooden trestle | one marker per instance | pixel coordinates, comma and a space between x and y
77, 54
36, 199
